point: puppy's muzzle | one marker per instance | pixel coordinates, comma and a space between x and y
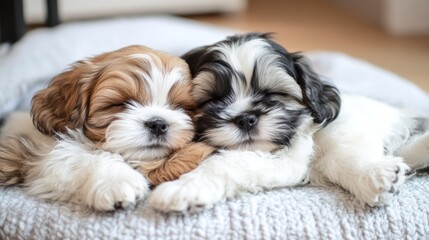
157, 126
246, 121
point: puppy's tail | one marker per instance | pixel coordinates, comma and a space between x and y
16, 154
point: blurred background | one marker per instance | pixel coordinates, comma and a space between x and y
393, 34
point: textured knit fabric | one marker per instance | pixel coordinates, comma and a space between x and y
297, 213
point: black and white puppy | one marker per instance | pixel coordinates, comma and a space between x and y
278, 124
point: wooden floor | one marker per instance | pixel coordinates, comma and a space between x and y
308, 25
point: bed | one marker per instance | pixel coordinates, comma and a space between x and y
305, 212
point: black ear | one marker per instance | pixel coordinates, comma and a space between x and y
322, 99
195, 58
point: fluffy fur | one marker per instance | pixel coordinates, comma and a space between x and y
278, 124
107, 115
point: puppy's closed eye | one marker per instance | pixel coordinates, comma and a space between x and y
113, 105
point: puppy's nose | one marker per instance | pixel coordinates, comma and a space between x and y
157, 126
246, 121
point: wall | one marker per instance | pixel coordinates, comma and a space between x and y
399, 17
35, 11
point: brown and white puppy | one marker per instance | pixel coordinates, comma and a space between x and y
106, 115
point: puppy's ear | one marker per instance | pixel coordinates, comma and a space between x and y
64, 103
322, 99
195, 58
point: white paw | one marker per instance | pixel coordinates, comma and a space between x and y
186, 195
120, 186
379, 182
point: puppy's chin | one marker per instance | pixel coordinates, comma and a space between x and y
134, 153
146, 153
255, 145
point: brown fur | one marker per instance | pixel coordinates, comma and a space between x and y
88, 95
92, 91
15, 154
180, 162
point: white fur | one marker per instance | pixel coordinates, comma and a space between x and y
348, 152
128, 136
416, 152
100, 175
243, 57
76, 171
362, 150
230, 136
159, 82
273, 76
233, 171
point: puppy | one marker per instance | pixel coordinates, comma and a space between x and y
278, 124
120, 110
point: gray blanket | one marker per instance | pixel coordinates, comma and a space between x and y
297, 213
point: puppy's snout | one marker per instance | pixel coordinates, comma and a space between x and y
246, 121
157, 126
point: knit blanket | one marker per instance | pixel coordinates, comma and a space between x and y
304, 212
290, 213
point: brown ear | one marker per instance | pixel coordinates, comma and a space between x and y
63, 104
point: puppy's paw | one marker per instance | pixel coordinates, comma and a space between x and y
118, 187
380, 181
185, 196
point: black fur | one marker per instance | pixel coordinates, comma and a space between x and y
323, 99
320, 100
